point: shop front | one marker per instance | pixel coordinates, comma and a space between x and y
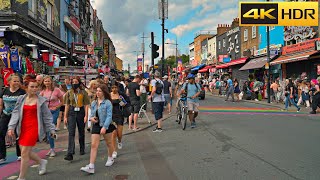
298, 59
233, 68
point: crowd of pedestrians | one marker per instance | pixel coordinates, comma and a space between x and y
34, 107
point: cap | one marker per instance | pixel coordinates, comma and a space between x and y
165, 77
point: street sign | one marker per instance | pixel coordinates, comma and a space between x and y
98, 48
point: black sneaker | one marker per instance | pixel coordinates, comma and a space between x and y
313, 112
155, 130
68, 157
159, 130
82, 152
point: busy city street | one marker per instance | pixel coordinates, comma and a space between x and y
242, 144
159, 90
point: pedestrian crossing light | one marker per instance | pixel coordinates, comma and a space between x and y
155, 48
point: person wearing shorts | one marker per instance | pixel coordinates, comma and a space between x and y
157, 101
101, 117
167, 93
134, 93
192, 89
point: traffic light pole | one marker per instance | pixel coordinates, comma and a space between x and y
162, 58
152, 55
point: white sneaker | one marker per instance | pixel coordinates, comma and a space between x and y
109, 162
256, 100
114, 154
19, 158
48, 153
87, 169
120, 145
52, 153
43, 167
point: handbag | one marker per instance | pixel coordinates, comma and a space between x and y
125, 110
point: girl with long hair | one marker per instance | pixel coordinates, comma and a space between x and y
31, 118
54, 98
119, 100
8, 99
101, 117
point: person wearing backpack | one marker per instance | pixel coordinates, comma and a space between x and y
192, 90
157, 95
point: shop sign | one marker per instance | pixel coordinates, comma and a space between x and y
318, 69
318, 45
298, 33
221, 57
80, 48
274, 49
303, 46
226, 59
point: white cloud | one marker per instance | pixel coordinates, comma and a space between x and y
212, 20
126, 20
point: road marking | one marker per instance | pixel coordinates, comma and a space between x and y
153, 162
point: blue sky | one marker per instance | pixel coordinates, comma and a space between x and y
126, 20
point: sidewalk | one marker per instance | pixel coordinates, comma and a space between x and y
265, 102
12, 166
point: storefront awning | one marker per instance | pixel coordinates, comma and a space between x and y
256, 63
197, 68
205, 69
288, 58
232, 63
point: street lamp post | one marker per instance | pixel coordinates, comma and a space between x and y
268, 60
163, 14
176, 44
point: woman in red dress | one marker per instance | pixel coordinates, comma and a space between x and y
31, 128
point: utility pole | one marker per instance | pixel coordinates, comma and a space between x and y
143, 51
163, 14
268, 60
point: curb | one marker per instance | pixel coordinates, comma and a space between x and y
248, 101
147, 127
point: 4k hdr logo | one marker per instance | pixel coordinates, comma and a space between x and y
279, 13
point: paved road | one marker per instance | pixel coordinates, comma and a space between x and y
232, 141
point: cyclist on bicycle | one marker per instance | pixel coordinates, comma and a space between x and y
191, 90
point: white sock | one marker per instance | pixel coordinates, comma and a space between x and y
91, 166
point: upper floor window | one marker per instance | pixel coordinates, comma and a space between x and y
219, 45
270, 28
245, 35
254, 31
224, 43
32, 8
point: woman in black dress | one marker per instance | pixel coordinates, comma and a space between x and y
118, 100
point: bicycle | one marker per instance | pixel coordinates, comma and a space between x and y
182, 113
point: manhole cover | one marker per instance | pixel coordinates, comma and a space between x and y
121, 177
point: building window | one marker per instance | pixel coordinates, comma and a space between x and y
219, 45
254, 31
32, 8
66, 34
246, 35
224, 43
49, 16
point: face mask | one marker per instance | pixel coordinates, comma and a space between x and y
75, 86
69, 86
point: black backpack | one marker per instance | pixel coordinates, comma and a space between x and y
159, 87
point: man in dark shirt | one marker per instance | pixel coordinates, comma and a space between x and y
167, 93
134, 93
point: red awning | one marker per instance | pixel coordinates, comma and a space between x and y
232, 63
205, 69
288, 58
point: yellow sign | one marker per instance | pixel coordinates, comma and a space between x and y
279, 14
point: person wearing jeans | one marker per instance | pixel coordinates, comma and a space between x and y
230, 89
290, 95
54, 98
76, 103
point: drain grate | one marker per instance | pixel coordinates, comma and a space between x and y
121, 177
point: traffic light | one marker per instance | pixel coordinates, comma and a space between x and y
155, 48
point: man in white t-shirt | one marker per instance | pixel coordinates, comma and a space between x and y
143, 90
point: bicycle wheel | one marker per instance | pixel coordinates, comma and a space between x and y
184, 118
179, 113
